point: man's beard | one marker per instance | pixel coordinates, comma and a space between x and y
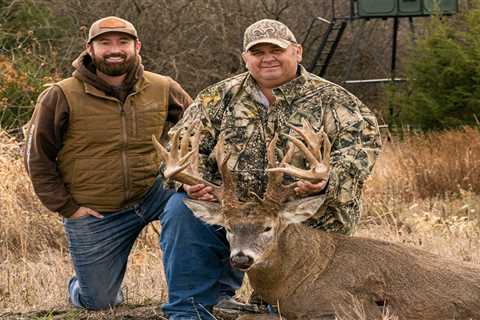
115, 69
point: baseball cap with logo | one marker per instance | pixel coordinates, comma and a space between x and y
268, 31
111, 24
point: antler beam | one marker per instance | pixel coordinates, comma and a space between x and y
316, 149
181, 162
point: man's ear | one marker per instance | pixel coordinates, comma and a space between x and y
88, 48
300, 210
138, 46
244, 58
299, 52
205, 210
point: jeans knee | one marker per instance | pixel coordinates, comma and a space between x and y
92, 299
177, 215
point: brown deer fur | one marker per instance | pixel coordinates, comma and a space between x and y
311, 274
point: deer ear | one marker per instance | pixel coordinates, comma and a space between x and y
300, 210
205, 210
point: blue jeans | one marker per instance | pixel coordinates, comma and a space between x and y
195, 256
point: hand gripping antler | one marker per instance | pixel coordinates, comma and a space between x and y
181, 163
317, 152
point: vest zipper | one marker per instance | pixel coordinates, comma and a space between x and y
134, 122
126, 178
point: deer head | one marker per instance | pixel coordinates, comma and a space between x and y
253, 226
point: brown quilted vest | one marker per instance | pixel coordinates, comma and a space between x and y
108, 161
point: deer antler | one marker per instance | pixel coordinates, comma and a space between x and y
317, 157
181, 163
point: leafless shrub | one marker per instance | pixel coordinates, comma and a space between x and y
199, 42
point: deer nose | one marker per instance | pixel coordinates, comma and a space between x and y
241, 261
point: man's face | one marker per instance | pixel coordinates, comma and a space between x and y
271, 65
114, 53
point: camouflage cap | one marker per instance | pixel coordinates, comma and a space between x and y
268, 31
111, 24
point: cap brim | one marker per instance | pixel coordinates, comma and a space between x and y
281, 43
122, 30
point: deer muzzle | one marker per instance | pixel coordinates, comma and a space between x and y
241, 261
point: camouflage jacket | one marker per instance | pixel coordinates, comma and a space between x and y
237, 108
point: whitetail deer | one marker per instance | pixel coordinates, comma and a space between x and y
313, 274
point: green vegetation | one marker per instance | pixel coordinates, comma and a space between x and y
443, 90
28, 37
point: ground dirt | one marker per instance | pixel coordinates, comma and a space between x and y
124, 312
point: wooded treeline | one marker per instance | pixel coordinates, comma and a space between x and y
197, 42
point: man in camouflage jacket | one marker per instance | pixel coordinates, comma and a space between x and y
251, 107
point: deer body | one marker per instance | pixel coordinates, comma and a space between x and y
313, 274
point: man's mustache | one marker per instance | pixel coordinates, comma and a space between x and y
115, 55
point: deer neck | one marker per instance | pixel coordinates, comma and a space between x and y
299, 254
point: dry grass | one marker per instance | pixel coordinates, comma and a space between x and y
428, 166
424, 193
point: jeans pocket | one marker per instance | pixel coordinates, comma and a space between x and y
76, 219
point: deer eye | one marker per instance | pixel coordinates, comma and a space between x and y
267, 229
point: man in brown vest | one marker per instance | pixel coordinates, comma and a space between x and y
90, 158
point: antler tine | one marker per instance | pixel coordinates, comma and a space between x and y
273, 176
195, 149
167, 157
319, 168
185, 142
276, 191
177, 164
327, 147
228, 188
312, 140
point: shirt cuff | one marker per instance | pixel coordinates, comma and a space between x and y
68, 209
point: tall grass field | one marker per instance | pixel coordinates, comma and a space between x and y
424, 193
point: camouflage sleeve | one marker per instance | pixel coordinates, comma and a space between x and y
205, 108
356, 142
